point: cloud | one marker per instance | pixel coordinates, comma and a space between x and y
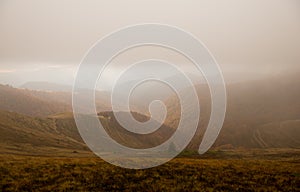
57, 66
44, 67
7, 70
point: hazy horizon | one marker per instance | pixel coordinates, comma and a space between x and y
45, 41
151, 121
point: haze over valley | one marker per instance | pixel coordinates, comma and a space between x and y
103, 95
260, 114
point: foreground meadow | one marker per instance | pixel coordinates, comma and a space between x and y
214, 172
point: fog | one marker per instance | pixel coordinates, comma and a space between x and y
46, 40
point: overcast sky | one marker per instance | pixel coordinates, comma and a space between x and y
46, 40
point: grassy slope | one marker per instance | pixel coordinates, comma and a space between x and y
28, 102
22, 133
218, 171
259, 114
28, 135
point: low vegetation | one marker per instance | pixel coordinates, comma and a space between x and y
216, 171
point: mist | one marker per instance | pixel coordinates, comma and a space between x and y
46, 41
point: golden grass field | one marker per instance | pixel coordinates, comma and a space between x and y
216, 171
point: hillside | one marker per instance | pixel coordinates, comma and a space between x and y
29, 102
25, 134
260, 114
42, 103
22, 133
29, 135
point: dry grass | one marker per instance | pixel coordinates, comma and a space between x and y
20, 173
